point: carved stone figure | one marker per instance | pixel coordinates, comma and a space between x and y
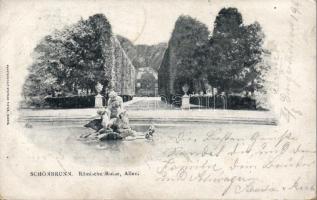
115, 105
114, 123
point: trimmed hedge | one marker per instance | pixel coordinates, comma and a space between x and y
126, 98
77, 101
71, 102
176, 100
237, 102
233, 102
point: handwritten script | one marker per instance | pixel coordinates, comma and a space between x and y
239, 164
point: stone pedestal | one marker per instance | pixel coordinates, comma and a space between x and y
185, 102
98, 101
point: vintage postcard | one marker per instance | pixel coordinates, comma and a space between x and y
158, 99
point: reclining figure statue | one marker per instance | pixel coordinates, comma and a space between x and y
114, 123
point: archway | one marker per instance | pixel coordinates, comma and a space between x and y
146, 82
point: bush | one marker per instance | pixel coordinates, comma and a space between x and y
233, 102
78, 101
175, 100
126, 98
33, 102
71, 102
237, 102
207, 101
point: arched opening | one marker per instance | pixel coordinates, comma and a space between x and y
146, 85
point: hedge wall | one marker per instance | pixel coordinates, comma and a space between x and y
233, 102
77, 101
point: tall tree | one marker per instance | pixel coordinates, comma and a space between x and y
184, 59
73, 58
235, 53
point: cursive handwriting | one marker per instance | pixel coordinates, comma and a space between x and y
234, 163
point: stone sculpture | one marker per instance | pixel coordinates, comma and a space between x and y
114, 123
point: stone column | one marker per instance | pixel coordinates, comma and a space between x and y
185, 97
185, 102
98, 97
98, 101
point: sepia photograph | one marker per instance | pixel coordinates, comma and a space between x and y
159, 99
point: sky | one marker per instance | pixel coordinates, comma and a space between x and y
142, 21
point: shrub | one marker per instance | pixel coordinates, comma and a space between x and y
77, 101
233, 102
71, 102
